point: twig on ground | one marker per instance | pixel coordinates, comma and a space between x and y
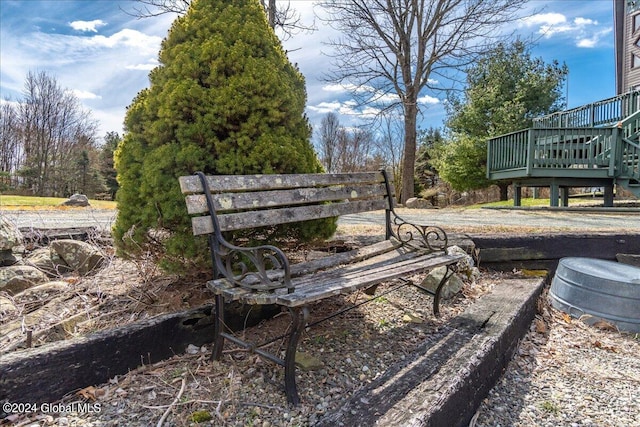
175, 401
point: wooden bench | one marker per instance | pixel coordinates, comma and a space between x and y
263, 274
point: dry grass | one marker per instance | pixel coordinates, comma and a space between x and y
11, 202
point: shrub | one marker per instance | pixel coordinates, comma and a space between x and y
224, 100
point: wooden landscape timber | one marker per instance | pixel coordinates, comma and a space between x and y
49, 372
542, 251
444, 381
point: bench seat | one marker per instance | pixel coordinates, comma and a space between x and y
351, 271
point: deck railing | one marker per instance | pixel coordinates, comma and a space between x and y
561, 148
601, 113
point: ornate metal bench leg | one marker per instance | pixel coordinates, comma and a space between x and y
218, 339
299, 318
436, 295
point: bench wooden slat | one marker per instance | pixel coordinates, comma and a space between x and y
231, 183
197, 203
363, 279
377, 263
370, 253
331, 261
314, 287
202, 224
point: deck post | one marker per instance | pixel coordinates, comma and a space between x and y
530, 152
608, 196
564, 196
616, 152
554, 194
517, 195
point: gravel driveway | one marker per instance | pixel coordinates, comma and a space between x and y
583, 220
77, 217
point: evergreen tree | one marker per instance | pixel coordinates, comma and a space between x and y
506, 89
107, 169
224, 100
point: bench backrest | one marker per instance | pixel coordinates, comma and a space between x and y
249, 201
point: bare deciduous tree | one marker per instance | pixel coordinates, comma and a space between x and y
328, 141
390, 144
10, 151
345, 150
281, 15
52, 127
391, 51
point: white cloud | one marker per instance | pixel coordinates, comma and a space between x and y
87, 26
127, 38
83, 94
326, 107
141, 67
544, 19
335, 88
426, 99
585, 31
581, 22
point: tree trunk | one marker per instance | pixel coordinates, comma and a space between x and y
409, 157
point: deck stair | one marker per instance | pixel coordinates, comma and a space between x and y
595, 145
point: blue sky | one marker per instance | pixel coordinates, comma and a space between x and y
102, 54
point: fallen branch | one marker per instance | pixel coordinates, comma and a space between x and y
175, 401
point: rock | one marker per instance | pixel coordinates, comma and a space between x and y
10, 236
465, 267
7, 258
629, 259
20, 277
44, 289
412, 318
79, 256
307, 362
48, 261
77, 200
418, 203
7, 307
452, 286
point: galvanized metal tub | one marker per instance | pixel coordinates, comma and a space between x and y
595, 289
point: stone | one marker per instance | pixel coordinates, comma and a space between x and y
77, 200
10, 236
44, 289
412, 318
48, 261
307, 362
7, 307
466, 266
20, 277
418, 203
453, 285
79, 256
7, 258
629, 259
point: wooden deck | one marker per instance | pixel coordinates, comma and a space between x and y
592, 146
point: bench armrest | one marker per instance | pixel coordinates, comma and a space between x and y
258, 268
429, 237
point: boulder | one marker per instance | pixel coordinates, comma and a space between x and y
10, 237
7, 307
453, 285
48, 261
418, 203
77, 200
20, 277
465, 267
7, 258
79, 256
